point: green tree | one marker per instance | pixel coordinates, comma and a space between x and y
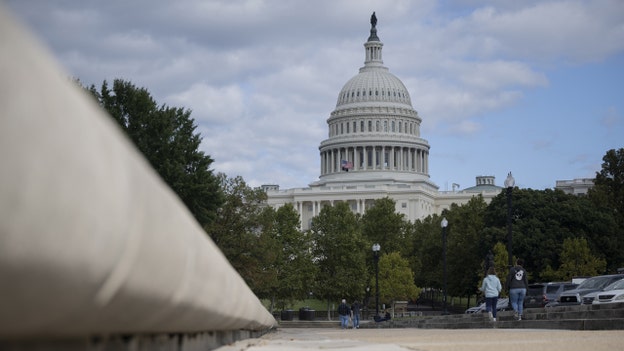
339, 253
294, 267
237, 228
396, 279
465, 251
608, 196
427, 251
383, 225
577, 260
542, 220
166, 137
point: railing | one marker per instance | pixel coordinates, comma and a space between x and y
92, 242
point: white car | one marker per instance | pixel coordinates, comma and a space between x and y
610, 294
501, 305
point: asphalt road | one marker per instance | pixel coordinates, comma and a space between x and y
297, 339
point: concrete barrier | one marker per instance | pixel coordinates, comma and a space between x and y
92, 241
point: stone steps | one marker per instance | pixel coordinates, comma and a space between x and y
584, 317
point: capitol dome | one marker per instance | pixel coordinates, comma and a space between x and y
374, 132
374, 150
375, 85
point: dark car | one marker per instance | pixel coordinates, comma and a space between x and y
589, 285
535, 296
540, 294
553, 290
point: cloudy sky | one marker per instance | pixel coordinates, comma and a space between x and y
531, 87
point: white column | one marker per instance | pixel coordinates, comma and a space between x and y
382, 164
374, 157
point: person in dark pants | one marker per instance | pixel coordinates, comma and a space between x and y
517, 283
355, 314
491, 288
344, 312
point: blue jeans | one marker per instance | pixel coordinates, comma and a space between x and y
344, 321
490, 305
356, 320
517, 299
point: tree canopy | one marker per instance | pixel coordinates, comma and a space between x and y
339, 253
166, 137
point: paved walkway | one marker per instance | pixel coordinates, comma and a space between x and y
432, 340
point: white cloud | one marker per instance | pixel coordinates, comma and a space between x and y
262, 76
211, 105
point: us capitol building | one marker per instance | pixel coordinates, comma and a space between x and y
375, 150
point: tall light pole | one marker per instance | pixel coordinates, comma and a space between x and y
444, 224
509, 184
376, 248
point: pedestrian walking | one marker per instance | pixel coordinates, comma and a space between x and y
491, 288
344, 312
355, 314
517, 283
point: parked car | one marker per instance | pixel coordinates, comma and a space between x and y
545, 294
553, 290
501, 305
613, 293
589, 285
535, 296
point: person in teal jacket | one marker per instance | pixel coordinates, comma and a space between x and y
491, 287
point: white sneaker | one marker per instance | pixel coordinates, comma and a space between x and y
493, 319
490, 315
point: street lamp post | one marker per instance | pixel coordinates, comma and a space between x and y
444, 224
509, 183
376, 248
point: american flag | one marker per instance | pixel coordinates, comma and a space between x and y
346, 165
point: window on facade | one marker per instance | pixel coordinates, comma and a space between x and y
393, 125
370, 93
385, 126
370, 126
400, 127
348, 127
404, 205
377, 126
369, 156
361, 126
376, 93
310, 208
341, 128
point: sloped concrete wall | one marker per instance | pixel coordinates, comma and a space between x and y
92, 241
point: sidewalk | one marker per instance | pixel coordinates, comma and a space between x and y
299, 339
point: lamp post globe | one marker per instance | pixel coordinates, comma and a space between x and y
509, 184
444, 224
376, 248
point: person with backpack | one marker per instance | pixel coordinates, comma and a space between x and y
344, 312
517, 283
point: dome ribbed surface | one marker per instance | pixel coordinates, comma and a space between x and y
374, 84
